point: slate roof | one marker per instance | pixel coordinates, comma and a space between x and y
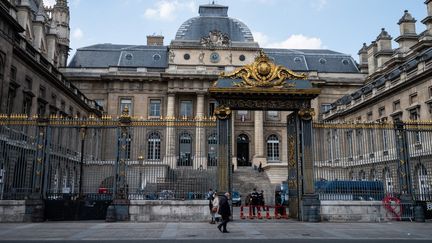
105, 55
393, 74
213, 17
324, 61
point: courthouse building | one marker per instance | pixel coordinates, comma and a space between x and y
157, 81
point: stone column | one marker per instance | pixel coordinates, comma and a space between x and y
200, 160
310, 200
170, 157
259, 139
233, 144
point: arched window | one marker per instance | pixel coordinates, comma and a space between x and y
372, 175
388, 180
185, 155
362, 175
273, 148
423, 183
212, 150
154, 146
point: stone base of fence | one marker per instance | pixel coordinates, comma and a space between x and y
16, 211
169, 211
359, 211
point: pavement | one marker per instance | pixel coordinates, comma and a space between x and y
240, 231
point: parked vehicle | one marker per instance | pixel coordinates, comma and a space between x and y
236, 198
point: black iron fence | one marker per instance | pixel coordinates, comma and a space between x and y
106, 158
373, 161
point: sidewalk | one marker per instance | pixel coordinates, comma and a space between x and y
239, 231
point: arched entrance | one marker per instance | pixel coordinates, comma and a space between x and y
264, 86
243, 150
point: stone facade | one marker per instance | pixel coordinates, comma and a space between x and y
34, 44
398, 84
173, 81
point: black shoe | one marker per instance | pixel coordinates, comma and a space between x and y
225, 231
220, 228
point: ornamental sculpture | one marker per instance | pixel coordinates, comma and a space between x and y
215, 39
263, 73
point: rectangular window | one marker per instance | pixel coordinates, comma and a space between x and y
27, 102
63, 106
212, 107
430, 91
13, 74
413, 98
369, 116
11, 100
186, 108
126, 105
350, 143
42, 92
414, 115
272, 115
242, 115
71, 111
381, 111
396, 105
325, 107
28, 83
155, 108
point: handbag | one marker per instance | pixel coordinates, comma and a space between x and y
214, 209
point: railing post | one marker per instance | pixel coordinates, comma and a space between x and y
404, 172
40, 173
120, 195
83, 132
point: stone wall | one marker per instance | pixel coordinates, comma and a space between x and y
169, 211
354, 211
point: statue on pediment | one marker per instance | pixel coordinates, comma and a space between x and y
216, 39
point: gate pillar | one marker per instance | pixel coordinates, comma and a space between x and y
310, 200
223, 115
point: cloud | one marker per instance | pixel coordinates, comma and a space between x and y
297, 41
166, 10
77, 34
319, 4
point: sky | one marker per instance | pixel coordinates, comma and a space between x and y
338, 25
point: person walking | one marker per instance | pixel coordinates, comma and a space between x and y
224, 211
215, 207
210, 198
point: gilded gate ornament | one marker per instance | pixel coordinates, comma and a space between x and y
222, 112
263, 73
307, 114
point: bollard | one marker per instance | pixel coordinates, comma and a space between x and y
268, 213
250, 212
241, 213
259, 212
111, 215
419, 214
276, 212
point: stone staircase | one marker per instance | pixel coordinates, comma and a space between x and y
246, 178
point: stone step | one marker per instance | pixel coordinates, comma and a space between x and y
245, 179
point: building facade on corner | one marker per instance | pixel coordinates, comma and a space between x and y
34, 43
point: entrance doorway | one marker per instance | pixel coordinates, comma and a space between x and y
243, 150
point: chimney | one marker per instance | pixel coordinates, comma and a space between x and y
384, 48
428, 20
408, 36
371, 51
155, 40
363, 58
